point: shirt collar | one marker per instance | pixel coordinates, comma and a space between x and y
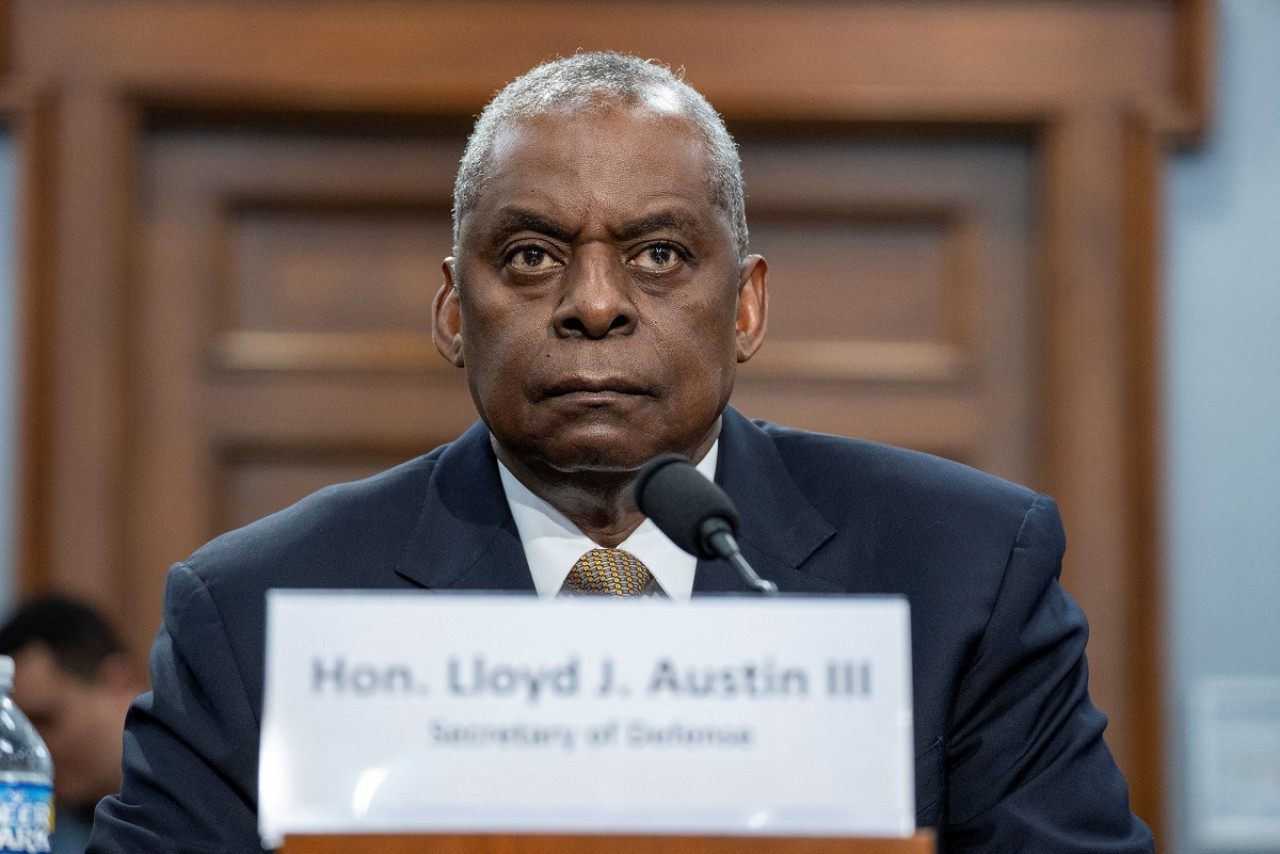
552, 543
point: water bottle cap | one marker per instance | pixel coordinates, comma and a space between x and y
6, 673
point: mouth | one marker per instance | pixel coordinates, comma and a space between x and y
594, 389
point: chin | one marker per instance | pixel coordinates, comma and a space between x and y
602, 460
601, 445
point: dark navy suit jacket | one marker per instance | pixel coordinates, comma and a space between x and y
1009, 749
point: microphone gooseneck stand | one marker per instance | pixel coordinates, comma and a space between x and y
695, 513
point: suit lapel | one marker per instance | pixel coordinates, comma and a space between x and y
779, 529
465, 538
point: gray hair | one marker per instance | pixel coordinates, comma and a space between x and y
594, 80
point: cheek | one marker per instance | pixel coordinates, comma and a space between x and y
706, 333
64, 746
493, 329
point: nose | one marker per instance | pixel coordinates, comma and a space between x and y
597, 297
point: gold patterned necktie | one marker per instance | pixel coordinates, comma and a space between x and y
609, 572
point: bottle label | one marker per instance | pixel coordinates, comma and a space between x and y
26, 818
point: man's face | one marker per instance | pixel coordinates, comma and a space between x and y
596, 300
81, 722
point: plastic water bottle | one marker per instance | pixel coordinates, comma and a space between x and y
26, 777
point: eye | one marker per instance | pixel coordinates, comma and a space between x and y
530, 259
658, 257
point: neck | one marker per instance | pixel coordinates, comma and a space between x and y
601, 504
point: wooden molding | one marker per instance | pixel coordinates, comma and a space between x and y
6, 39
1144, 319
1195, 54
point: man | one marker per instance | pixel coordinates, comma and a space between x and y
74, 681
599, 298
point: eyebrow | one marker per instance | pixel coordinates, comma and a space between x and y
658, 221
512, 220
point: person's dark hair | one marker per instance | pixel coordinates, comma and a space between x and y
598, 80
78, 636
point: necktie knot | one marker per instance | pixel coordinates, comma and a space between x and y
609, 572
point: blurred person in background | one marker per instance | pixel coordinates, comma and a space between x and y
74, 680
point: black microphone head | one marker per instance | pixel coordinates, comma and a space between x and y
684, 505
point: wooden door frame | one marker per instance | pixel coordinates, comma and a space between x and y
83, 77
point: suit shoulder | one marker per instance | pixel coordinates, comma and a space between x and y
839, 471
333, 527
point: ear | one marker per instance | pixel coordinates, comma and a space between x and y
446, 314
753, 306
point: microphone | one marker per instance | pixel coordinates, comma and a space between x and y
695, 513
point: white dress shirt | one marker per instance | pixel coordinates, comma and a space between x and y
552, 544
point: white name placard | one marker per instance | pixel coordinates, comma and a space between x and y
416, 712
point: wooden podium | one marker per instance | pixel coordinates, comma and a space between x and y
921, 843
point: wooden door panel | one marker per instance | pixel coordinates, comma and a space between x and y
287, 279
357, 269
284, 305
903, 294
301, 269
855, 274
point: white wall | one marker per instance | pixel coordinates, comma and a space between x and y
1223, 391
